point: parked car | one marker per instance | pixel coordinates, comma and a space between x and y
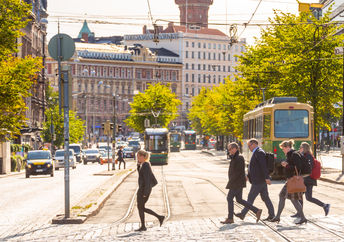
59, 159
129, 152
104, 157
78, 152
121, 143
92, 155
39, 162
135, 144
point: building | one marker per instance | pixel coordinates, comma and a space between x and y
207, 55
33, 43
104, 73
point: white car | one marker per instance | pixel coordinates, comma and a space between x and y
59, 159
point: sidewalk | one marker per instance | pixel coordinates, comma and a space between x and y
328, 174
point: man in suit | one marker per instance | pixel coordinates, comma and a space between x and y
258, 175
236, 183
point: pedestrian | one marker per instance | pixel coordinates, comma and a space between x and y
236, 183
258, 176
120, 157
306, 151
293, 160
147, 181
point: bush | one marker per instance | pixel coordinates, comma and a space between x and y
17, 163
15, 148
27, 147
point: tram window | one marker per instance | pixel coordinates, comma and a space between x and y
259, 127
245, 130
267, 126
157, 143
291, 123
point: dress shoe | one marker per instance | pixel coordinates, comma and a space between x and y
327, 209
296, 215
258, 214
240, 215
141, 229
161, 219
301, 221
268, 219
275, 219
228, 221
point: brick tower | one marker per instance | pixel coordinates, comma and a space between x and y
196, 12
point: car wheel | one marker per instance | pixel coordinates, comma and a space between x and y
27, 175
56, 169
85, 162
52, 174
74, 167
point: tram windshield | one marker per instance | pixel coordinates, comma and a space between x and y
156, 143
190, 138
291, 124
175, 137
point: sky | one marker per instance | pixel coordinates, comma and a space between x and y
128, 17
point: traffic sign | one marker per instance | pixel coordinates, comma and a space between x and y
67, 47
339, 50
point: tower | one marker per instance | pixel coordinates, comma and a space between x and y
194, 12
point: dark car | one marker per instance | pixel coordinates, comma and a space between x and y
128, 152
135, 145
39, 162
79, 154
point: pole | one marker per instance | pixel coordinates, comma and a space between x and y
66, 142
59, 51
341, 143
52, 132
108, 149
114, 133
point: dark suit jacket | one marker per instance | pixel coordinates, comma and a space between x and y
147, 179
236, 172
258, 170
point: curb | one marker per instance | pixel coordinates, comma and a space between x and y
93, 210
12, 174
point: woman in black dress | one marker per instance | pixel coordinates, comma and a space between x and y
147, 181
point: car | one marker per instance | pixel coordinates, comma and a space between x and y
78, 152
59, 159
104, 157
92, 155
135, 144
39, 162
121, 143
128, 152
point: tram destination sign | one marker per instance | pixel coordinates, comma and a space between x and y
339, 50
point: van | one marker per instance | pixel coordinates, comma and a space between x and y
78, 153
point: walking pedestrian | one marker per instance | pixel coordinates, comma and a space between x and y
306, 151
236, 183
120, 157
147, 181
258, 176
293, 160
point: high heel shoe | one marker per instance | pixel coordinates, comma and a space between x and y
275, 219
301, 221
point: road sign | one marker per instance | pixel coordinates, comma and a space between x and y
66, 46
339, 50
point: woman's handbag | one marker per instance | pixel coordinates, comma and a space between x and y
116, 161
296, 184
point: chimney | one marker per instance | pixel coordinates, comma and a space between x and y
84, 36
144, 30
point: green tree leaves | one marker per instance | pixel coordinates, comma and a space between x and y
156, 98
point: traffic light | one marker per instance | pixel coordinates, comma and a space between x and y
119, 128
111, 126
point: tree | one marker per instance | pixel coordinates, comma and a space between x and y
76, 127
295, 57
156, 98
16, 75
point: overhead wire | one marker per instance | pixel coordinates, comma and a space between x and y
250, 18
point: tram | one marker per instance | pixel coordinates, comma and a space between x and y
156, 141
275, 120
189, 138
175, 141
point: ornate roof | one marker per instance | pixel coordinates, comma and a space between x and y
85, 29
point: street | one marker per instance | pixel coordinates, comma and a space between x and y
191, 193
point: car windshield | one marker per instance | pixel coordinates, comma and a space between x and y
61, 153
35, 155
105, 154
76, 148
134, 143
91, 151
128, 148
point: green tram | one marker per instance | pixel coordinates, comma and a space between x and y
189, 137
157, 142
175, 141
275, 120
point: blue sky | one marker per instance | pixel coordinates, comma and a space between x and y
128, 17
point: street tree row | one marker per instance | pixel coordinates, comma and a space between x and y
294, 56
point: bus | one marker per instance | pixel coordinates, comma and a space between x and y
275, 120
189, 137
175, 141
156, 141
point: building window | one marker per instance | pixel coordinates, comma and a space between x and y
218, 68
193, 44
229, 57
214, 56
219, 79
204, 45
186, 90
187, 105
199, 44
235, 59
208, 67
214, 79
224, 47
224, 56
209, 56
186, 54
204, 78
209, 45
219, 56
187, 43
192, 55
199, 54
214, 46
187, 66
219, 46
209, 79
204, 55
223, 68
193, 91
186, 77
174, 76
193, 77
199, 78
204, 67
193, 66
199, 66
229, 68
